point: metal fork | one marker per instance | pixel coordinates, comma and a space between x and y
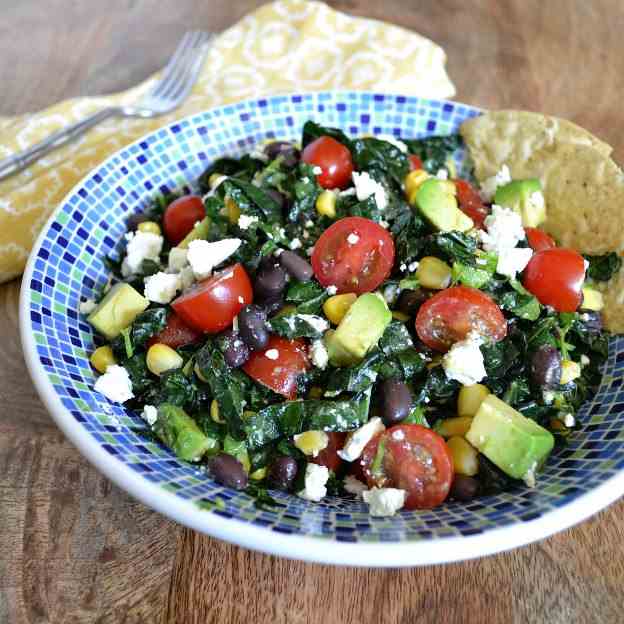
175, 83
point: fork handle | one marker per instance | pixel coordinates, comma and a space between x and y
21, 160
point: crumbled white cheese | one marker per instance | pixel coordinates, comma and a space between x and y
161, 287
309, 251
568, 420
319, 354
347, 192
584, 360
384, 224
390, 293
178, 259
464, 361
512, 261
529, 477
204, 256
353, 238
358, 439
354, 486
317, 322
309, 223
271, 354
317, 170
384, 501
86, 307
489, 185
442, 174
537, 201
295, 243
115, 384
403, 267
331, 290
504, 229
316, 478
306, 234
245, 221
141, 246
388, 138
186, 277
149, 414
548, 396
413, 266
365, 186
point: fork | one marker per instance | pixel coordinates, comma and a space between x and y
175, 83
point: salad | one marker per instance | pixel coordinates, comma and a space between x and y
350, 317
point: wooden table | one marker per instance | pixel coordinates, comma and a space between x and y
74, 548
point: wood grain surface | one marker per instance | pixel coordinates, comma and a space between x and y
74, 548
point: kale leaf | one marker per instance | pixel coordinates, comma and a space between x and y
312, 131
309, 297
252, 200
603, 268
296, 326
434, 150
381, 159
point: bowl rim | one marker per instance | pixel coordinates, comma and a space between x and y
301, 547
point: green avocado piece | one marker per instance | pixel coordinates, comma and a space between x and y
181, 433
517, 195
200, 230
438, 205
359, 331
120, 306
516, 444
238, 449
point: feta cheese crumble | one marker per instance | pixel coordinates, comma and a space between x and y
442, 174
317, 170
568, 420
204, 256
512, 261
489, 185
464, 361
115, 384
317, 322
504, 229
331, 290
245, 221
316, 478
86, 307
295, 243
384, 501
186, 277
178, 259
319, 354
272, 354
353, 238
365, 186
413, 266
161, 287
141, 246
354, 486
149, 414
358, 439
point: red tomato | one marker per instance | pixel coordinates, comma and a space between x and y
539, 240
415, 459
415, 162
279, 373
333, 158
358, 265
452, 313
181, 215
329, 455
210, 306
470, 202
175, 334
555, 277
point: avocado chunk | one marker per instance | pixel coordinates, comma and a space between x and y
516, 444
519, 196
359, 330
437, 203
181, 433
592, 299
120, 306
238, 449
200, 230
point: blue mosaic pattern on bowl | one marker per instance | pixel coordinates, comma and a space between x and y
69, 268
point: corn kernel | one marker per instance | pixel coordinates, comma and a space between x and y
326, 204
592, 299
311, 442
232, 210
400, 316
337, 306
569, 371
457, 426
433, 273
214, 412
470, 399
412, 183
465, 459
258, 475
315, 392
149, 227
102, 358
161, 358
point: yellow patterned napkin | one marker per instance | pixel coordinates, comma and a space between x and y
287, 46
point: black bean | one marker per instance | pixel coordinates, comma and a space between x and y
296, 266
283, 473
270, 281
410, 300
251, 327
396, 401
288, 152
228, 471
235, 351
464, 488
135, 220
546, 367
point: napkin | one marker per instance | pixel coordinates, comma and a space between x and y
286, 46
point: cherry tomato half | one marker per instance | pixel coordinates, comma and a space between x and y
555, 277
175, 334
288, 359
415, 162
181, 215
453, 313
538, 239
211, 305
470, 202
329, 455
354, 254
415, 459
333, 158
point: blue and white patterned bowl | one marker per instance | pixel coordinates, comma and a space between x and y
67, 266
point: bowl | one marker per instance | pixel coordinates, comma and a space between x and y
67, 265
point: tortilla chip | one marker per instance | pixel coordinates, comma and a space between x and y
613, 311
